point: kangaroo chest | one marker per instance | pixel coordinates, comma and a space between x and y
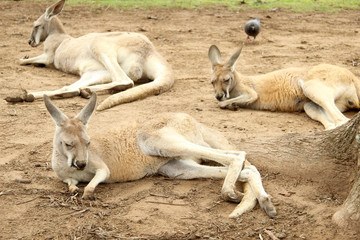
74, 56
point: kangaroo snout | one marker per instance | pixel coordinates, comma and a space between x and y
32, 42
79, 164
220, 96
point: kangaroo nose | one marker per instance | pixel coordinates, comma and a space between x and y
80, 164
219, 96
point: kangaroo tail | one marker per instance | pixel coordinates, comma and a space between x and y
159, 85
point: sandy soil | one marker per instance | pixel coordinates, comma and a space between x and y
42, 209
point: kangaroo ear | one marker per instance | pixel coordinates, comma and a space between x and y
54, 9
85, 114
231, 62
58, 117
214, 55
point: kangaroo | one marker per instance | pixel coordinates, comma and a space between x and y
171, 144
113, 60
323, 91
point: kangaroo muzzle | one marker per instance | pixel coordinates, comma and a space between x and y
32, 42
220, 96
79, 164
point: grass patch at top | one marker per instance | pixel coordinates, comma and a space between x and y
292, 5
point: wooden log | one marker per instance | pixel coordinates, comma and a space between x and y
331, 155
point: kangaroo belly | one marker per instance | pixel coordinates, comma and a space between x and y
294, 104
280, 91
124, 158
133, 166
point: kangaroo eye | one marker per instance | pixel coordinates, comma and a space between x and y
227, 80
69, 145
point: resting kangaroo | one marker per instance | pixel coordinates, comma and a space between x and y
323, 91
172, 144
113, 60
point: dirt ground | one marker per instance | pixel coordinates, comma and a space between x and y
156, 207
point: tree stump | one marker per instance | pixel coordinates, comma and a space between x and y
331, 154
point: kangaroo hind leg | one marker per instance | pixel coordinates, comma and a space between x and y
317, 113
133, 66
252, 176
325, 99
189, 169
170, 144
106, 53
87, 79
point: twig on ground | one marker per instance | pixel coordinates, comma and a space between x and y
159, 195
23, 180
174, 204
287, 193
271, 235
103, 234
27, 201
75, 212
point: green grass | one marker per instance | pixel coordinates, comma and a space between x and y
292, 5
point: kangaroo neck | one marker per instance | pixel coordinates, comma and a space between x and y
56, 36
239, 79
56, 27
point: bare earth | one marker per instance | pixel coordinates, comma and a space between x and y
156, 207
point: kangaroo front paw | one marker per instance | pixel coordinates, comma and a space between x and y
23, 61
231, 106
73, 190
88, 194
267, 205
232, 196
223, 105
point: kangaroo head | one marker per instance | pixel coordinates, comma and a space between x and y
223, 77
71, 139
41, 27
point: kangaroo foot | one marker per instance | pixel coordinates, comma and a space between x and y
266, 204
232, 196
68, 94
24, 96
121, 87
85, 93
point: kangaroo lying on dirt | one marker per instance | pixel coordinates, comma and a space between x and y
172, 144
113, 60
323, 91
